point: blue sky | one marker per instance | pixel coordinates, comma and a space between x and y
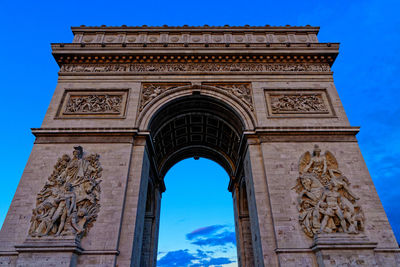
196, 223
366, 71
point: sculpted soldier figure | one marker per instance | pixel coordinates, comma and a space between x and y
331, 205
325, 201
69, 201
66, 207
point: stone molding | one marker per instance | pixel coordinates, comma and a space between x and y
50, 245
85, 135
341, 241
129, 135
259, 130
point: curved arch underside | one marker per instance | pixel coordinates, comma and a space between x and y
196, 126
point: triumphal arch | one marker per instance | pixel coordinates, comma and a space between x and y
133, 101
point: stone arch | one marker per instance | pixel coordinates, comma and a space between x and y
195, 121
196, 125
243, 111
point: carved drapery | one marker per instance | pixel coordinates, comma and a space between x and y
95, 103
325, 202
196, 67
68, 203
298, 103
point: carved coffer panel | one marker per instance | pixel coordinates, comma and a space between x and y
298, 103
91, 103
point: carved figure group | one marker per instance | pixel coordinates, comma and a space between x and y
325, 201
298, 103
241, 91
94, 104
69, 201
197, 67
150, 92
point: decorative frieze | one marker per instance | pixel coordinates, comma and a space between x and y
152, 90
93, 103
298, 103
195, 67
326, 203
240, 90
105, 104
68, 203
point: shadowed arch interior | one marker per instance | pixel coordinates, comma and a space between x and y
196, 126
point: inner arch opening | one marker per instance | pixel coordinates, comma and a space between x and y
197, 217
196, 126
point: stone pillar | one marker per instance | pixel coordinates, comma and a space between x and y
243, 226
151, 227
262, 228
134, 206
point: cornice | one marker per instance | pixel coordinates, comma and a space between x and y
311, 129
258, 130
117, 53
54, 131
186, 28
305, 134
131, 135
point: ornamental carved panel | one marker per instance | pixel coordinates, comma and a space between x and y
300, 103
326, 203
68, 203
93, 103
152, 90
241, 90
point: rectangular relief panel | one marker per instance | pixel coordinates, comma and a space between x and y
93, 103
298, 103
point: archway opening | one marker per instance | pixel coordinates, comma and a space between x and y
197, 217
196, 126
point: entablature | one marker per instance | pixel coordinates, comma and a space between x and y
195, 44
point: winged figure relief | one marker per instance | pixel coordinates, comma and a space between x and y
325, 201
68, 203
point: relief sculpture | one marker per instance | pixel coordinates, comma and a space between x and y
94, 104
68, 204
152, 90
240, 90
297, 103
196, 67
325, 202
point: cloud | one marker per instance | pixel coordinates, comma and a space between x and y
176, 258
221, 239
217, 238
213, 235
204, 231
199, 258
216, 262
